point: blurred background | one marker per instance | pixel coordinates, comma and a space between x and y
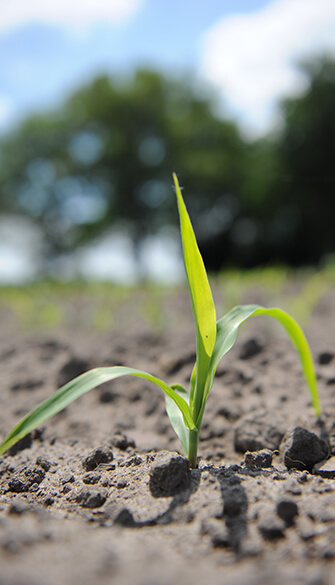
101, 101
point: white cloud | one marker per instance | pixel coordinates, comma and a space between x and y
75, 14
252, 57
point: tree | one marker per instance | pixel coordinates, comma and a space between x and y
303, 227
106, 156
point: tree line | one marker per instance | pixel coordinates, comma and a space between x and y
104, 158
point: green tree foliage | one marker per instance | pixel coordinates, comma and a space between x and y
106, 157
304, 196
287, 206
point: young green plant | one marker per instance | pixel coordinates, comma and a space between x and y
214, 339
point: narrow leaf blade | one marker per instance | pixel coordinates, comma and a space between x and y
300, 342
176, 417
201, 294
79, 386
227, 328
226, 331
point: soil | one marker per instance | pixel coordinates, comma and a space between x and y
101, 494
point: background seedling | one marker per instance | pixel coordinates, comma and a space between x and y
214, 339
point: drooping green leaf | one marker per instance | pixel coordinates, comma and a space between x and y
299, 340
176, 417
227, 328
79, 386
201, 295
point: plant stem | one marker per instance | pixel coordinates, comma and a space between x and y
193, 448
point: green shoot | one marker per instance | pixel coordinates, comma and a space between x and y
214, 339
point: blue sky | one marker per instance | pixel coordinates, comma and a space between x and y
245, 48
40, 61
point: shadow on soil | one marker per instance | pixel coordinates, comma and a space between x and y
234, 504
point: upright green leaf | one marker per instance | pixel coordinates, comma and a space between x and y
79, 386
202, 304
201, 294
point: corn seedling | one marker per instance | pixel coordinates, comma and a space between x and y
213, 340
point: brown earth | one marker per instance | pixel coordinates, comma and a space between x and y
94, 497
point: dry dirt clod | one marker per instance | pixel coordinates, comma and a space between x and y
250, 348
271, 527
24, 443
23, 481
325, 468
18, 506
44, 463
99, 455
71, 369
305, 450
26, 384
169, 474
119, 515
122, 442
131, 462
91, 498
66, 477
287, 509
259, 459
259, 432
325, 357
91, 478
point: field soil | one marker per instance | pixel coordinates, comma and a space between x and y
101, 494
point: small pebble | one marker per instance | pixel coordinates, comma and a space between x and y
18, 506
259, 459
101, 454
132, 461
325, 468
91, 478
124, 517
24, 443
66, 477
287, 510
271, 527
91, 498
250, 348
325, 357
221, 538
44, 463
71, 369
121, 441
